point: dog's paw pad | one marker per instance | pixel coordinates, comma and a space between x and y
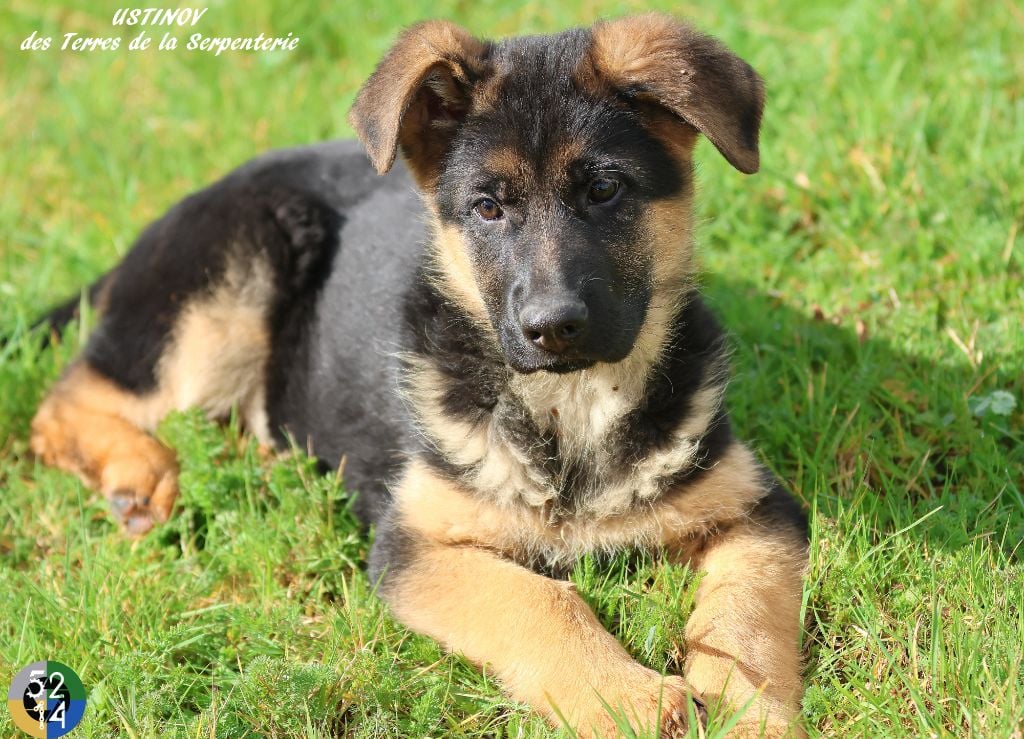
677, 724
142, 487
700, 710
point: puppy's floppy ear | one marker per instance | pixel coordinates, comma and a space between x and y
655, 58
418, 94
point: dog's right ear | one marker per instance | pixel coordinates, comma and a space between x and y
418, 94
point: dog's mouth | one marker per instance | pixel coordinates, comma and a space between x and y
526, 358
554, 365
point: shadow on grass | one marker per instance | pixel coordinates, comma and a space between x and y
918, 515
839, 417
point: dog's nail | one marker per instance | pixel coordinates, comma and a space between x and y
138, 524
702, 711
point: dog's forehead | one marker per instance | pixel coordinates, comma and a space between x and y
538, 119
544, 59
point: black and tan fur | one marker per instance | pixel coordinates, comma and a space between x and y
509, 392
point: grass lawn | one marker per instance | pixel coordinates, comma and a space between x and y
871, 276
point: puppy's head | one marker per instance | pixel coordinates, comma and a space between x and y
558, 169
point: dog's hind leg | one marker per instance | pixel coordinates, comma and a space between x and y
189, 322
89, 426
96, 422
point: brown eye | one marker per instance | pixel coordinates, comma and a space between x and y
602, 190
488, 210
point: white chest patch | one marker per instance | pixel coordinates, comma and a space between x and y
567, 443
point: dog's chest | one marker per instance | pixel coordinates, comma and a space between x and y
558, 436
557, 444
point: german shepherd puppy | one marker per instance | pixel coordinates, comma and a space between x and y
502, 339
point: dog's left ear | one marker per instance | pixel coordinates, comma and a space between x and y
418, 94
655, 58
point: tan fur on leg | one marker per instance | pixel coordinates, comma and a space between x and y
535, 633
215, 359
88, 426
742, 639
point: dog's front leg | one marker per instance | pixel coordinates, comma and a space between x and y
742, 640
534, 633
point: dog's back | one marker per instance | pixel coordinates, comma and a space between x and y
278, 289
336, 389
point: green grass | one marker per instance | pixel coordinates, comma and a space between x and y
871, 276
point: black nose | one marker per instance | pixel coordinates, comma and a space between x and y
554, 325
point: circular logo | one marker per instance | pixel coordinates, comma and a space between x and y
46, 699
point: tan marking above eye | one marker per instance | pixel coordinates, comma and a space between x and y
507, 164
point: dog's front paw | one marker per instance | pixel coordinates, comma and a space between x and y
679, 705
769, 727
675, 722
654, 705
